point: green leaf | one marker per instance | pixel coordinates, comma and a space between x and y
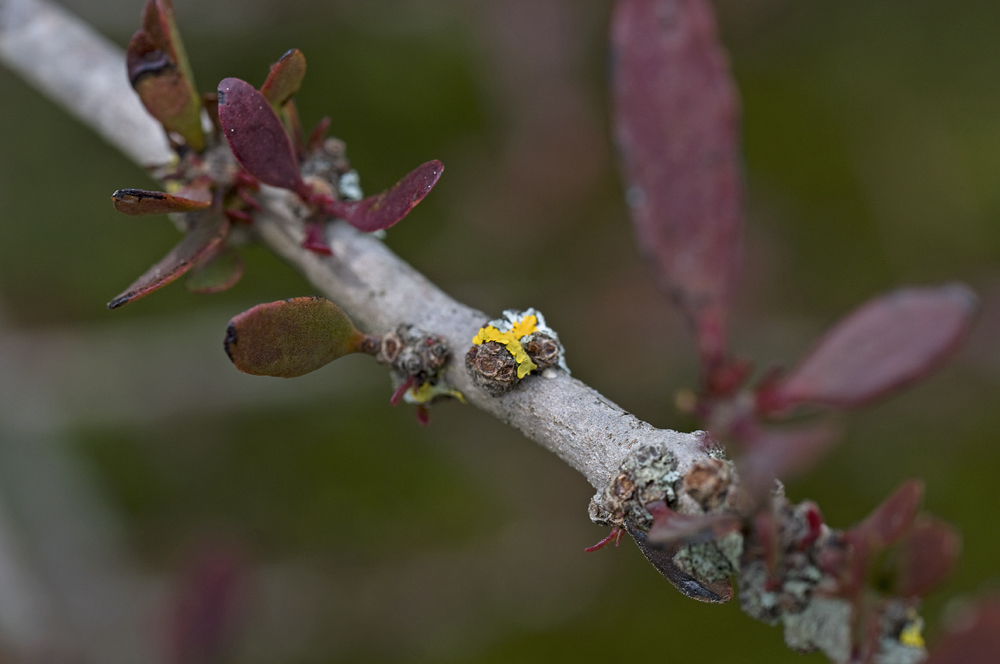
291, 337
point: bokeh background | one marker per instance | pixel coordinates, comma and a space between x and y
155, 505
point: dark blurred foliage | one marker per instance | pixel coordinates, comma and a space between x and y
872, 147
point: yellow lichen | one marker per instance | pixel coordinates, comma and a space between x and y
911, 634
512, 340
427, 392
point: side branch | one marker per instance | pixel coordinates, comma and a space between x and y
79, 69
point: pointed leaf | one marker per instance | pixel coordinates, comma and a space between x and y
927, 555
388, 208
676, 123
256, 136
209, 231
889, 521
663, 560
158, 21
291, 337
284, 79
142, 202
780, 454
972, 637
883, 345
216, 273
669, 527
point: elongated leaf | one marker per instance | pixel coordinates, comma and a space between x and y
216, 273
208, 233
143, 202
256, 136
284, 79
927, 555
676, 122
388, 208
291, 337
669, 527
972, 637
889, 521
783, 453
161, 30
886, 343
663, 560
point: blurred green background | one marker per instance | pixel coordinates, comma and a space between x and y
872, 133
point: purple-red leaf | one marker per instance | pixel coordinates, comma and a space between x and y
383, 210
216, 273
204, 238
779, 454
669, 527
284, 79
676, 121
972, 636
256, 136
927, 555
291, 337
662, 559
142, 202
892, 519
886, 343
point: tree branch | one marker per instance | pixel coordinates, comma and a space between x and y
66, 60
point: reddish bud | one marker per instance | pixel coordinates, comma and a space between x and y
202, 240
676, 123
315, 240
256, 136
927, 555
883, 345
291, 337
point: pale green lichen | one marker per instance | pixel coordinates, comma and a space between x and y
431, 390
705, 561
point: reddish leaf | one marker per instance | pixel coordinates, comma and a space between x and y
886, 343
284, 79
779, 454
972, 637
256, 136
161, 30
927, 555
291, 337
676, 122
889, 521
163, 89
669, 527
142, 202
388, 208
216, 273
207, 234
662, 559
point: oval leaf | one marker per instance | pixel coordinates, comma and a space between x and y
388, 208
889, 521
216, 273
256, 136
291, 337
139, 202
972, 637
927, 555
676, 123
284, 79
208, 233
663, 560
883, 345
